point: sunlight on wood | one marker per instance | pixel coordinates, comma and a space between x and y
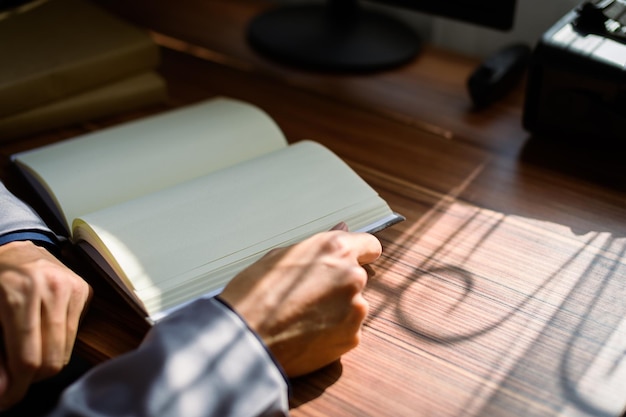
457, 281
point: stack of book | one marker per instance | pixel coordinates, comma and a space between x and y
68, 61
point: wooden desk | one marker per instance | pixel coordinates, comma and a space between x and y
503, 292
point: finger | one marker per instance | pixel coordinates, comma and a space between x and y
54, 323
361, 309
22, 333
367, 248
75, 311
357, 307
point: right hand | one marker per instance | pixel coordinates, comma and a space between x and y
305, 301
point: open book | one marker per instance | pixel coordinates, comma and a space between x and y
175, 205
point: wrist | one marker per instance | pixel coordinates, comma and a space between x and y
263, 343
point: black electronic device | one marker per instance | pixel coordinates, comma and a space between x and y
498, 74
344, 35
576, 87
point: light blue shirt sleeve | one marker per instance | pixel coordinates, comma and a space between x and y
20, 222
16, 215
201, 361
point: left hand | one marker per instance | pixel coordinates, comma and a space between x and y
41, 302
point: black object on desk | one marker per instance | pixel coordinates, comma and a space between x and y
577, 79
498, 74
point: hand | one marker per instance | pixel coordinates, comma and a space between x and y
41, 302
306, 301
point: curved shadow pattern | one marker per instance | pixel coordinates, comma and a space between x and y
312, 386
589, 323
570, 338
449, 275
465, 278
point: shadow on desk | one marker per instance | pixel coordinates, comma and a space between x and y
595, 161
512, 289
312, 386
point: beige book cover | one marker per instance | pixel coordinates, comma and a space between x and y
61, 47
127, 94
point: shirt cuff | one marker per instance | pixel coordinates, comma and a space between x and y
39, 238
269, 353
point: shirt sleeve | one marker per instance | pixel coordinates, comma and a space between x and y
201, 361
20, 222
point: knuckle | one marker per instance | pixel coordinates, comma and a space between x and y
28, 365
361, 309
83, 291
78, 285
356, 277
50, 367
336, 243
17, 292
355, 340
72, 329
55, 283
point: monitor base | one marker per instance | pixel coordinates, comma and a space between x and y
318, 38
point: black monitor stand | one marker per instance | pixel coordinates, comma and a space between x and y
335, 36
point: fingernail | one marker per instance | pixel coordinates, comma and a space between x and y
341, 226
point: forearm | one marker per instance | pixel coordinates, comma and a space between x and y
201, 361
